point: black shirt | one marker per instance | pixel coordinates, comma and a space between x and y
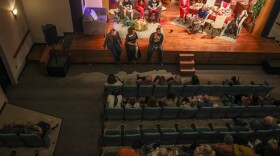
153, 4
127, 4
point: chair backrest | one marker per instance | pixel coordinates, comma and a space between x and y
170, 112
160, 90
133, 113
109, 89
114, 113
225, 5
205, 89
130, 136
210, 3
169, 136
32, 140
145, 90
219, 21
219, 112
11, 139
176, 89
129, 90
150, 135
112, 138
190, 90
209, 12
220, 90
241, 22
187, 137
204, 112
151, 113
250, 111
186, 113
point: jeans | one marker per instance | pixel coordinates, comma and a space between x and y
150, 52
116, 51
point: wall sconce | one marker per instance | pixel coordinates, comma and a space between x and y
14, 11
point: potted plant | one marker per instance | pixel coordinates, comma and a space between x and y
256, 9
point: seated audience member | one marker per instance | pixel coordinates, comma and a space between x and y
160, 80
114, 100
113, 80
197, 20
241, 150
233, 81
272, 148
204, 102
153, 8
170, 100
161, 152
204, 150
132, 103
189, 102
194, 81
41, 128
225, 149
266, 123
176, 80
133, 151
13, 128
147, 80
151, 101
129, 81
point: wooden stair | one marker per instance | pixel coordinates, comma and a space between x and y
186, 64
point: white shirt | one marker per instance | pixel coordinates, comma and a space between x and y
111, 101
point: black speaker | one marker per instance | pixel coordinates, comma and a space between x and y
50, 33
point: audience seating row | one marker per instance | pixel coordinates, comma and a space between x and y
157, 113
19, 140
187, 90
177, 136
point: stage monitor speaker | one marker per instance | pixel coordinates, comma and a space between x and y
50, 33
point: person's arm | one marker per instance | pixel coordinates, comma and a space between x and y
105, 41
188, 4
119, 38
149, 6
161, 40
151, 38
159, 4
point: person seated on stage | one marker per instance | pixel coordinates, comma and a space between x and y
127, 8
114, 100
113, 80
140, 7
147, 80
184, 9
153, 7
197, 20
233, 25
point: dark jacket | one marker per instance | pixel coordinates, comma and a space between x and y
109, 40
152, 41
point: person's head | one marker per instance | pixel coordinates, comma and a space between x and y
206, 98
154, 0
272, 145
204, 7
132, 100
139, 1
228, 139
234, 79
177, 78
152, 101
162, 80
268, 120
195, 80
111, 79
149, 78
171, 95
131, 30
163, 152
136, 145
158, 31
207, 150
113, 31
126, 0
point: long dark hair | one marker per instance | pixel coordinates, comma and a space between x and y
111, 79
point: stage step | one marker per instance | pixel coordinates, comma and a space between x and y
186, 64
186, 57
184, 71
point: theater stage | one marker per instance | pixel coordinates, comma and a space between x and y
246, 50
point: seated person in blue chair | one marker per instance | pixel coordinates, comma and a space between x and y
197, 20
204, 101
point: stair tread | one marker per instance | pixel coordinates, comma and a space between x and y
187, 62
186, 55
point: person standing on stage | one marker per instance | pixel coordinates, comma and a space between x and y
113, 42
155, 44
184, 9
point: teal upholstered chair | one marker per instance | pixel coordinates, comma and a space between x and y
11, 139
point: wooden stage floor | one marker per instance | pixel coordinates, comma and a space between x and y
246, 50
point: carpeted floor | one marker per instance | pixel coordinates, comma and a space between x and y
78, 98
